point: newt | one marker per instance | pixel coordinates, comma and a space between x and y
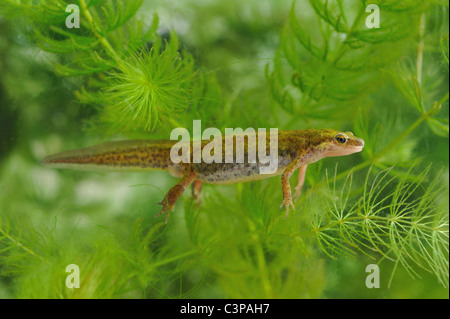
296, 150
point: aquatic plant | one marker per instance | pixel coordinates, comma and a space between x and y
129, 72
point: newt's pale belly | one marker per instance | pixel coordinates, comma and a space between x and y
229, 173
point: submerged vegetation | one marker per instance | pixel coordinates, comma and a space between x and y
138, 69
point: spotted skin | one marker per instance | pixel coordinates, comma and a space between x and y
296, 150
123, 155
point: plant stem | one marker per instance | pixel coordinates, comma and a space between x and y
420, 49
28, 250
171, 259
261, 260
101, 38
343, 47
381, 218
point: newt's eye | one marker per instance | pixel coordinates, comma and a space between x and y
340, 138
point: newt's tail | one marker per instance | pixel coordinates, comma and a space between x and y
116, 156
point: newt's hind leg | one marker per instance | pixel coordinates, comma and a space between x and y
197, 191
175, 192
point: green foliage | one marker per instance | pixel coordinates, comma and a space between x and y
132, 87
306, 64
100, 255
401, 220
150, 88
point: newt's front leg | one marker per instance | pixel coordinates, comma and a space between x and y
300, 182
287, 198
197, 191
175, 192
296, 163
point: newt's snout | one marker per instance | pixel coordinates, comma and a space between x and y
359, 142
355, 145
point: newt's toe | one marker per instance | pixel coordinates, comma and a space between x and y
298, 191
167, 208
288, 203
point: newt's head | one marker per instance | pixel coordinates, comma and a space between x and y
336, 143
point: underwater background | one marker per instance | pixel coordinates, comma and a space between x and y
138, 69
